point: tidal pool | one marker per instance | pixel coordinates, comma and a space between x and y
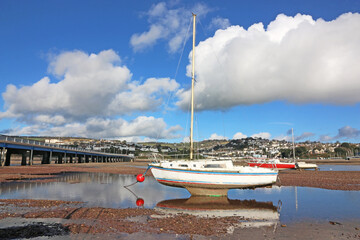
339, 167
291, 204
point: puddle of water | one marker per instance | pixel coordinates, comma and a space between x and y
107, 190
339, 167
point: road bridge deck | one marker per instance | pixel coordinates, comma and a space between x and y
49, 152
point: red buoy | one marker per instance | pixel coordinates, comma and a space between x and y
140, 202
140, 178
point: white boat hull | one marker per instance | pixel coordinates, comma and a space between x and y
214, 181
303, 165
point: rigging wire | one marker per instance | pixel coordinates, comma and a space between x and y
182, 51
176, 71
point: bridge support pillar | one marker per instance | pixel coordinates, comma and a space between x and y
8, 157
3, 156
71, 159
60, 159
46, 158
23, 158
65, 158
50, 157
31, 160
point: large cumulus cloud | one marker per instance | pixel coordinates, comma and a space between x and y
295, 59
91, 92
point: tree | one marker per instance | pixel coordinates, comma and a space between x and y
300, 151
340, 151
345, 145
285, 153
158, 146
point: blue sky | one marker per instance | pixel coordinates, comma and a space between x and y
109, 69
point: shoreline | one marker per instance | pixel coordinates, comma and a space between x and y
333, 180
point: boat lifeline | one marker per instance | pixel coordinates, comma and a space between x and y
208, 177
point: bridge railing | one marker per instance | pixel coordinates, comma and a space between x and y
33, 142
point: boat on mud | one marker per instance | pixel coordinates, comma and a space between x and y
210, 177
272, 164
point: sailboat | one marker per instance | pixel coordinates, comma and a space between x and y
301, 165
208, 177
274, 162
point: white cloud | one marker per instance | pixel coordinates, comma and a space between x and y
88, 85
296, 59
186, 140
53, 120
219, 23
150, 127
264, 135
91, 85
140, 41
93, 90
283, 137
169, 24
304, 135
345, 132
326, 138
239, 135
288, 136
142, 97
214, 136
348, 132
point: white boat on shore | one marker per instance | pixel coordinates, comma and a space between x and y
272, 163
210, 176
304, 165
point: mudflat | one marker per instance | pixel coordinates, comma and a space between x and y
24, 218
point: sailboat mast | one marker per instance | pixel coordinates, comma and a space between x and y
292, 134
192, 92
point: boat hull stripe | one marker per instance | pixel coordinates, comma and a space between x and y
196, 182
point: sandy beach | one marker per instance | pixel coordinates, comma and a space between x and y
31, 218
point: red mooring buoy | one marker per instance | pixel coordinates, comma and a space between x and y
140, 202
140, 177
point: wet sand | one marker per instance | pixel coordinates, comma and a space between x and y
31, 218
35, 218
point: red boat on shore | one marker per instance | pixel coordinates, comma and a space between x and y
272, 163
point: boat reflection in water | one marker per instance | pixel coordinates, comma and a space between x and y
250, 212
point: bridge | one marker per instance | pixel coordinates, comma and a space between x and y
51, 153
